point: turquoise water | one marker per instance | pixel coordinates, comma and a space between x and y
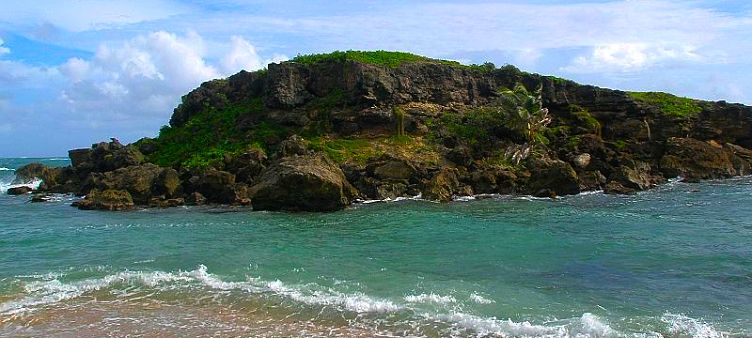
673, 262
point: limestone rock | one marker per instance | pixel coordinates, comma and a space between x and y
302, 183
110, 199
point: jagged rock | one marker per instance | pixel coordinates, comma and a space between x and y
110, 199
142, 182
627, 180
591, 180
161, 202
552, 177
247, 165
217, 186
444, 185
293, 145
302, 183
391, 190
32, 171
696, 160
582, 160
493, 181
22, 190
460, 155
196, 198
40, 198
394, 169
79, 157
113, 155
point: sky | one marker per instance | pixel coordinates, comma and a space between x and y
75, 72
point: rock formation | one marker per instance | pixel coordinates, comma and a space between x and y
319, 131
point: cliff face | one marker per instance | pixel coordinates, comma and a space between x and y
289, 85
433, 128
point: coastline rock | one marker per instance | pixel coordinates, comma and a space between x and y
552, 177
444, 185
217, 186
195, 198
22, 190
142, 182
695, 160
110, 199
628, 180
302, 183
41, 198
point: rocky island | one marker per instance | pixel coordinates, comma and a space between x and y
320, 131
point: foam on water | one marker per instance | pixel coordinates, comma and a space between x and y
5, 185
679, 324
430, 298
45, 291
6, 169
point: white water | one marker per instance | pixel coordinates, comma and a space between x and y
42, 290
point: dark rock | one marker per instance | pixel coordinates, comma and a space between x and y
493, 181
460, 155
79, 157
113, 155
293, 145
33, 171
591, 180
110, 199
553, 175
248, 165
40, 198
444, 185
196, 198
22, 190
394, 169
142, 182
217, 186
627, 180
696, 160
390, 190
302, 183
161, 202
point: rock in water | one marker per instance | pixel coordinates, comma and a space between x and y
302, 183
19, 190
696, 160
110, 199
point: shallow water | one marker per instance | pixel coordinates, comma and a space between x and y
672, 262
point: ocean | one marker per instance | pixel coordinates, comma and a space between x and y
675, 261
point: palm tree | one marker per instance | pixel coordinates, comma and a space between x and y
525, 114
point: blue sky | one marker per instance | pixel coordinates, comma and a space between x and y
76, 72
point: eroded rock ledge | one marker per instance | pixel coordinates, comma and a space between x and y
316, 136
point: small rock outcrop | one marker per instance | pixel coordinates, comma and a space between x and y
110, 199
302, 183
22, 190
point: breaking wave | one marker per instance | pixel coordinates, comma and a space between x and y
43, 290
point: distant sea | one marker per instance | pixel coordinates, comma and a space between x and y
675, 261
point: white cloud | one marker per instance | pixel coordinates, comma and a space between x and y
3, 50
631, 57
82, 15
243, 56
146, 75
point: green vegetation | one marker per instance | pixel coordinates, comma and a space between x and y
670, 105
379, 57
582, 116
399, 115
208, 136
525, 113
359, 150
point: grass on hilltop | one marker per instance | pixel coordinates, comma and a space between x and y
670, 105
